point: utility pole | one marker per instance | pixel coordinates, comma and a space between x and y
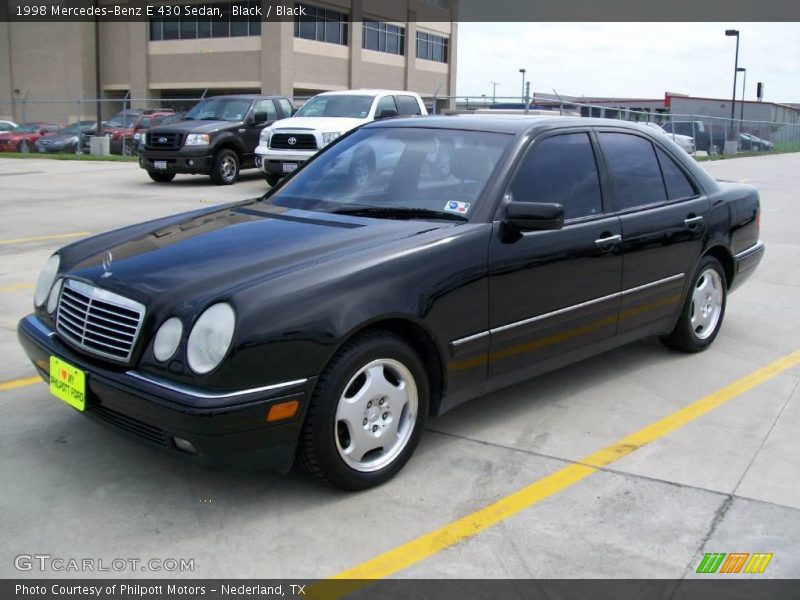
494, 85
527, 95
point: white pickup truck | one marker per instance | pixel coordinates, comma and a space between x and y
287, 143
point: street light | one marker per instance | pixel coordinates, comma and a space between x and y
731, 33
744, 85
523, 85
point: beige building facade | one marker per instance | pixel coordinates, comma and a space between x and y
46, 69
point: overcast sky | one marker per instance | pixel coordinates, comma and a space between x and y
638, 60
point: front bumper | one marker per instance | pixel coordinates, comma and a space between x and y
193, 163
227, 429
272, 161
745, 263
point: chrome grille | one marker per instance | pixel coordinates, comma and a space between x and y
98, 321
163, 141
302, 141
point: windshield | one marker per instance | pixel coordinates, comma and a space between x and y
383, 169
27, 128
356, 107
123, 119
219, 109
76, 127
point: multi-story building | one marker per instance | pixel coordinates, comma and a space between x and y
339, 44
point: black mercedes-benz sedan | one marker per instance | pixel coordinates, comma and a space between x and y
412, 265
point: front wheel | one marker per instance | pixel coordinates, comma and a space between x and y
161, 177
226, 167
367, 412
703, 309
272, 179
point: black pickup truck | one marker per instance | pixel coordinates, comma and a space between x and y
217, 137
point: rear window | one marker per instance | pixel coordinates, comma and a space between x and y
634, 169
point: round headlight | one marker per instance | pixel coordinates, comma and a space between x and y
46, 279
167, 339
210, 338
52, 299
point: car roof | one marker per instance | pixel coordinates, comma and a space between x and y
367, 92
245, 96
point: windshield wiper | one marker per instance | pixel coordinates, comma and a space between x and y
398, 212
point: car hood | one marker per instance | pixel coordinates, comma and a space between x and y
341, 124
214, 253
194, 126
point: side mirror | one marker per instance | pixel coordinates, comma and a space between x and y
535, 216
386, 113
259, 117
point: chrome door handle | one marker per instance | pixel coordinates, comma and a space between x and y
692, 221
608, 241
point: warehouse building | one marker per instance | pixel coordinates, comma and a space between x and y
339, 44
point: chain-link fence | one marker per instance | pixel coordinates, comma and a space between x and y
124, 120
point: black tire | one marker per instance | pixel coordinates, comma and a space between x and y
689, 337
713, 150
272, 179
320, 451
161, 177
24, 146
128, 149
225, 170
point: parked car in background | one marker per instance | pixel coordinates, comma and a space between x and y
126, 141
684, 141
217, 137
7, 126
708, 138
122, 126
748, 141
325, 321
23, 137
289, 142
68, 139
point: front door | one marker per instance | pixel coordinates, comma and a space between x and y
553, 292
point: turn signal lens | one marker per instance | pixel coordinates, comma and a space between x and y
284, 410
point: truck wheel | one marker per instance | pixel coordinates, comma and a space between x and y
272, 179
161, 177
703, 309
226, 167
713, 150
24, 146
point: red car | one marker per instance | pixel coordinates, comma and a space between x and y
123, 126
24, 136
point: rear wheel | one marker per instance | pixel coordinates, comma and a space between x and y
161, 177
366, 416
225, 170
703, 309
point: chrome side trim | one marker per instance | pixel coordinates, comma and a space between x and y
757, 247
653, 284
190, 391
469, 338
567, 309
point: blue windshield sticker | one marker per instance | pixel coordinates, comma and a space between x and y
457, 207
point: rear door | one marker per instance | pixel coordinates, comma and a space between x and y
554, 292
662, 214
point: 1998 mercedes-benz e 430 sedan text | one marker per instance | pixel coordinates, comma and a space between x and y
325, 321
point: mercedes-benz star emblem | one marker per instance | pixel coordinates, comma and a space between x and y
291, 141
107, 260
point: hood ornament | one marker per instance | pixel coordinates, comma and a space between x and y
107, 260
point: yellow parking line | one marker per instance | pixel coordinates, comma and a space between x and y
17, 383
426, 545
46, 237
15, 286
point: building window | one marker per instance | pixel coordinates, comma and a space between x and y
321, 25
431, 47
384, 37
192, 27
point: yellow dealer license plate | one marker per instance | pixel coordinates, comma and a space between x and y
68, 383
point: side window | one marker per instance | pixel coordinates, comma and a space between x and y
266, 106
286, 106
145, 123
634, 168
50, 128
385, 103
408, 105
677, 184
561, 169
